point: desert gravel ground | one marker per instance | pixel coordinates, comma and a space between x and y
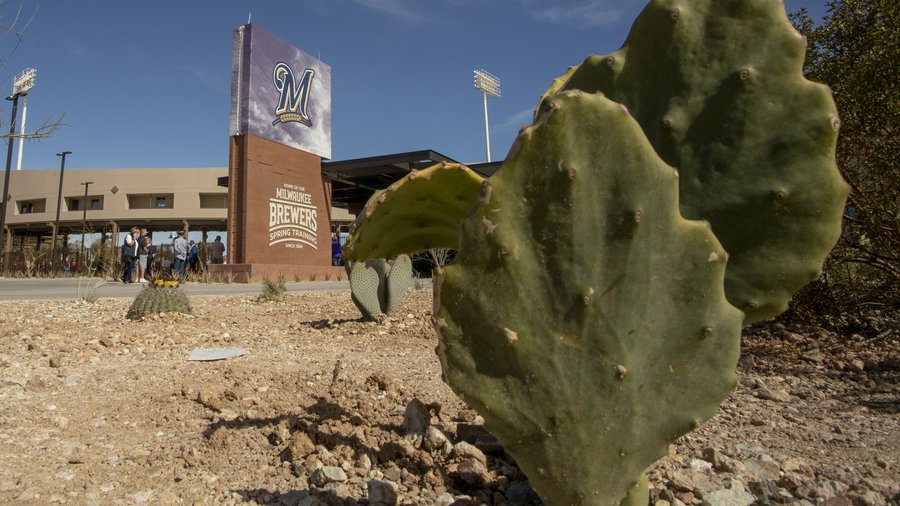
324, 408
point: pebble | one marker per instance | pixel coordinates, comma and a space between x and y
416, 418
382, 492
328, 474
728, 497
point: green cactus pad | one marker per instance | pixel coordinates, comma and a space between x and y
419, 212
584, 319
396, 283
365, 285
717, 88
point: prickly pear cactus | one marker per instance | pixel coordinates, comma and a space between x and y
584, 319
718, 90
378, 286
158, 299
416, 213
396, 283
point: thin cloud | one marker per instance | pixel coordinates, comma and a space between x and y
517, 120
586, 13
395, 8
211, 80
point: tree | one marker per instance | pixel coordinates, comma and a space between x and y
856, 51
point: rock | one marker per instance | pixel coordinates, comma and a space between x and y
700, 465
395, 450
841, 500
416, 419
435, 440
106, 342
760, 470
473, 472
55, 362
293, 498
464, 450
477, 435
869, 498
728, 497
773, 394
857, 365
521, 494
767, 490
382, 492
327, 474
747, 362
444, 499
793, 465
300, 446
311, 501
812, 355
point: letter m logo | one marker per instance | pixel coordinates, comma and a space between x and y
293, 95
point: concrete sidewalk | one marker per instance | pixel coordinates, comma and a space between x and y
75, 288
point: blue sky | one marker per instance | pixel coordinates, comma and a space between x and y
147, 84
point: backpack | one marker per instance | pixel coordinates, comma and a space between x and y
127, 251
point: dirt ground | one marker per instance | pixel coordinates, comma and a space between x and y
97, 409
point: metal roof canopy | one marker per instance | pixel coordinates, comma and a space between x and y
354, 181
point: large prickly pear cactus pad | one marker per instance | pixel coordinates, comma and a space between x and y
584, 318
717, 88
666, 194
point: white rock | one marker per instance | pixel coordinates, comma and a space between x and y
382, 492
466, 450
728, 497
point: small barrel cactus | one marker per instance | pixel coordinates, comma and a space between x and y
378, 286
159, 299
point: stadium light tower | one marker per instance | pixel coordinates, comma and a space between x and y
26, 78
487, 84
21, 85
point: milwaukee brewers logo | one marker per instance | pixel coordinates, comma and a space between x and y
293, 95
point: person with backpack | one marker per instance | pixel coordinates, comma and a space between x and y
193, 257
129, 255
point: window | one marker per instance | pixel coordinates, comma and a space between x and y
74, 205
213, 201
150, 200
95, 204
26, 208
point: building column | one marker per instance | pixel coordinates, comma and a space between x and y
185, 227
7, 249
114, 244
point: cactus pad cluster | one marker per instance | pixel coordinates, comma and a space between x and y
155, 299
665, 195
378, 286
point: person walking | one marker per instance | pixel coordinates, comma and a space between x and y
336, 255
129, 255
151, 250
143, 249
217, 251
179, 254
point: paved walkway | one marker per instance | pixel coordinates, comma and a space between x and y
74, 288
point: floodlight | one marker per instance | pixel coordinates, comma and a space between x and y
487, 83
24, 82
